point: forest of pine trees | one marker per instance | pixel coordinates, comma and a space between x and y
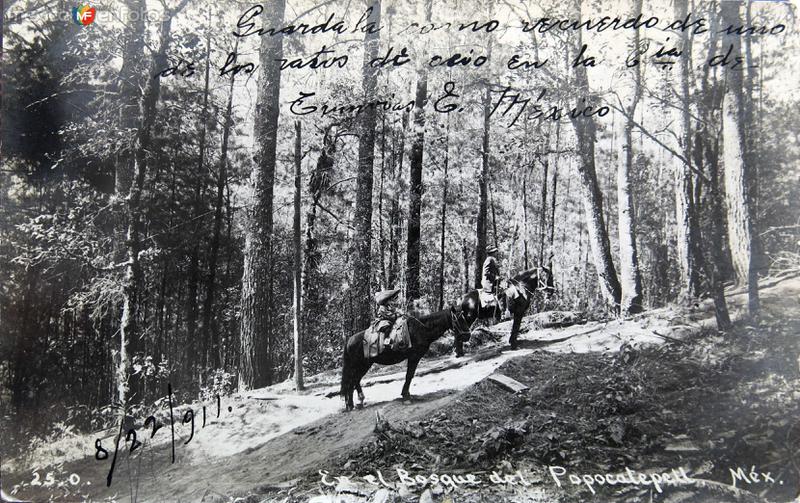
176, 208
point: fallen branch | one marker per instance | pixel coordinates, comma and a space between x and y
673, 339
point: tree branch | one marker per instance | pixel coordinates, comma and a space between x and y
666, 147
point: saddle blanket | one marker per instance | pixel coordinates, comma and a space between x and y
399, 338
487, 299
514, 290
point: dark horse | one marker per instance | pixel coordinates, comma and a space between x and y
422, 331
538, 280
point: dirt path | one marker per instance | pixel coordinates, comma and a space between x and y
269, 436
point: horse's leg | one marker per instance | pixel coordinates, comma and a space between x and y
348, 397
360, 375
512, 341
360, 396
347, 381
410, 370
459, 344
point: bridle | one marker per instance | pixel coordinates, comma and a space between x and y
542, 277
459, 322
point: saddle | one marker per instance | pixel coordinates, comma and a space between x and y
375, 343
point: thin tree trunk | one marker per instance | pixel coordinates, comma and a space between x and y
230, 351
318, 184
130, 77
395, 215
734, 152
553, 206
129, 338
194, 257
494, 217
298, 287
465, 256
714, 232
483, 182
525, 217
255, 369
210, 329
362, 240
630, 277
543, 211
381, 193
444, 216
130, 97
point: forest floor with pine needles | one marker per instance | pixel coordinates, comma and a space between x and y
708, 404
602, 399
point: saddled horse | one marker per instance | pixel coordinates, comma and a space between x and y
538, 280
422, 331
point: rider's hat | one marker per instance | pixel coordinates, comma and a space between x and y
385, 296
491, 250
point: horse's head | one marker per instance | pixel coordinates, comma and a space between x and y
546, 281
469, 308
460, 320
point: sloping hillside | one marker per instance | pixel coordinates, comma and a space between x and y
270, 443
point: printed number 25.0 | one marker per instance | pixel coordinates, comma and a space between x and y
49, 480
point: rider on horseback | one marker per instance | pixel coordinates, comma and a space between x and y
491, 270
491, 282
388, 312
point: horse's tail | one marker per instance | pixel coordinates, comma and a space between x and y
346, 370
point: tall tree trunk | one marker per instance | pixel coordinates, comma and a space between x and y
585, 131
630, 277
395, 214
211, 333
444, 216
707, 155
129, 119
194, 257
687, 230
255, 369
362, 240
129, 338
298, 287
128, 87
734, 152
415, 179
553, 196
483, 182
381, 193
319, 182
753, 129
543, 210
525, 259
465, 255
415, 192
